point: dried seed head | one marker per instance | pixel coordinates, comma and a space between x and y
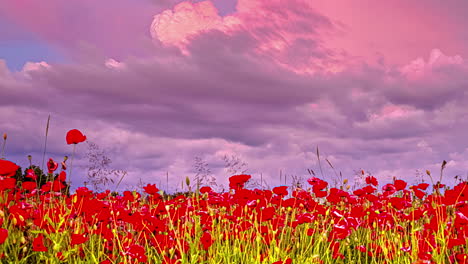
4, 136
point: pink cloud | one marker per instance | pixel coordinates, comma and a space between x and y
396, 32
289, 36
115, 28
324, 35
188, 19
419, 68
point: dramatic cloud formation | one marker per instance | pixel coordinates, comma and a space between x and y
267, 83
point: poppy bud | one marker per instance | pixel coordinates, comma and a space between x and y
4, 136
187, 181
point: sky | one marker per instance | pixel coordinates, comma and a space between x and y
378, 86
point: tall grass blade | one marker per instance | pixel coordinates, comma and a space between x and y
318, 158
3, 147
441, 169
121, 178
329, 163
45, 142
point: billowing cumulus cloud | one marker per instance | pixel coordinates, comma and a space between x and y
263, 83
290, 37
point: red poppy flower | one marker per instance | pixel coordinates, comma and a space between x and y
8, 168
52, 165
420, 194
287, 261
206, 240
62, 176
60, 256
238, 181
205, 189
461, 258
3, 235
400, 185
369, 189
57, 186
313, 180
38, 243
422, 186
372, 180
29, 185
389, 189
361, 248
266, 214
137, 252
455, 242
74, 136
46, 187
77, 239
151, 189
31, 174
281, 190
8, 183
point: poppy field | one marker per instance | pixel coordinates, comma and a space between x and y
42, 222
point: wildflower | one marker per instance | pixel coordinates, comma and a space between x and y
52, 165
62, 176
461, 258
31, 174
372, 180
3, 235
77, 239
151, 189
206, 240
38, 243
137, 252
205, 189
281, 190
8, 183
8, 168
57, 186
400, 185
267, 214
46, 187
29, 185
389, 189
287, 261
75, 136
60, 256
238, 181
